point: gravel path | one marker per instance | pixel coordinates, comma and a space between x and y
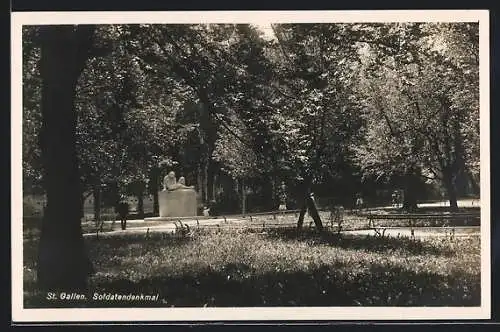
170, 227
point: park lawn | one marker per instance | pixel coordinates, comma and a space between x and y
277, 268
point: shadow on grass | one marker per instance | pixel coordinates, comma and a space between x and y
363, 242
236, 285
441, 209
120, 245
124, 240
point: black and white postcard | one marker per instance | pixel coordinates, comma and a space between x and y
250, 165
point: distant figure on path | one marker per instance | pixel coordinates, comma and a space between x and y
122, 210
395, 201
282, 197
206, 211
359, 202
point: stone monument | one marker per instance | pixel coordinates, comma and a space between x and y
176, 199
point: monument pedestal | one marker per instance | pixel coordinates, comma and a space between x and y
177, 203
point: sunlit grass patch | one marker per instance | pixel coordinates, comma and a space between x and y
254, 268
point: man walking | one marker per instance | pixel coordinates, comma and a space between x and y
122, 210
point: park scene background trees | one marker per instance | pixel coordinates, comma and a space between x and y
334, 109
355, 106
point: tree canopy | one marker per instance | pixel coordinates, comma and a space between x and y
314, 106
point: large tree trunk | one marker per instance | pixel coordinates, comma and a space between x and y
62, 259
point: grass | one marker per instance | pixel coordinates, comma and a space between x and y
224, 268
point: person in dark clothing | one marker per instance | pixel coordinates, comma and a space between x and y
122, 210
395, 202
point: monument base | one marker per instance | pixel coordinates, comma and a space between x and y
177, 203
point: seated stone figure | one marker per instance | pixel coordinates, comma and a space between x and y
176, 199
170, 183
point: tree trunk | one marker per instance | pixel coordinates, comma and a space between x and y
97, 203
409, 198
409, 202
451, 190
156, 204
205, 182
140, 206
153, 188
302, 214
274, 191
243, 198
82, 203
208, 137
267, 193
212, 175
310, 206
214, 182
63, 263
474, 185
199, 182
457, 166
154, 191
313, 212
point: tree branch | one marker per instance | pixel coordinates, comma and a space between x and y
281, 44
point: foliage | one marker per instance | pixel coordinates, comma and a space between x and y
126, 128
32, 168
422, 110
319, 118
320, 102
